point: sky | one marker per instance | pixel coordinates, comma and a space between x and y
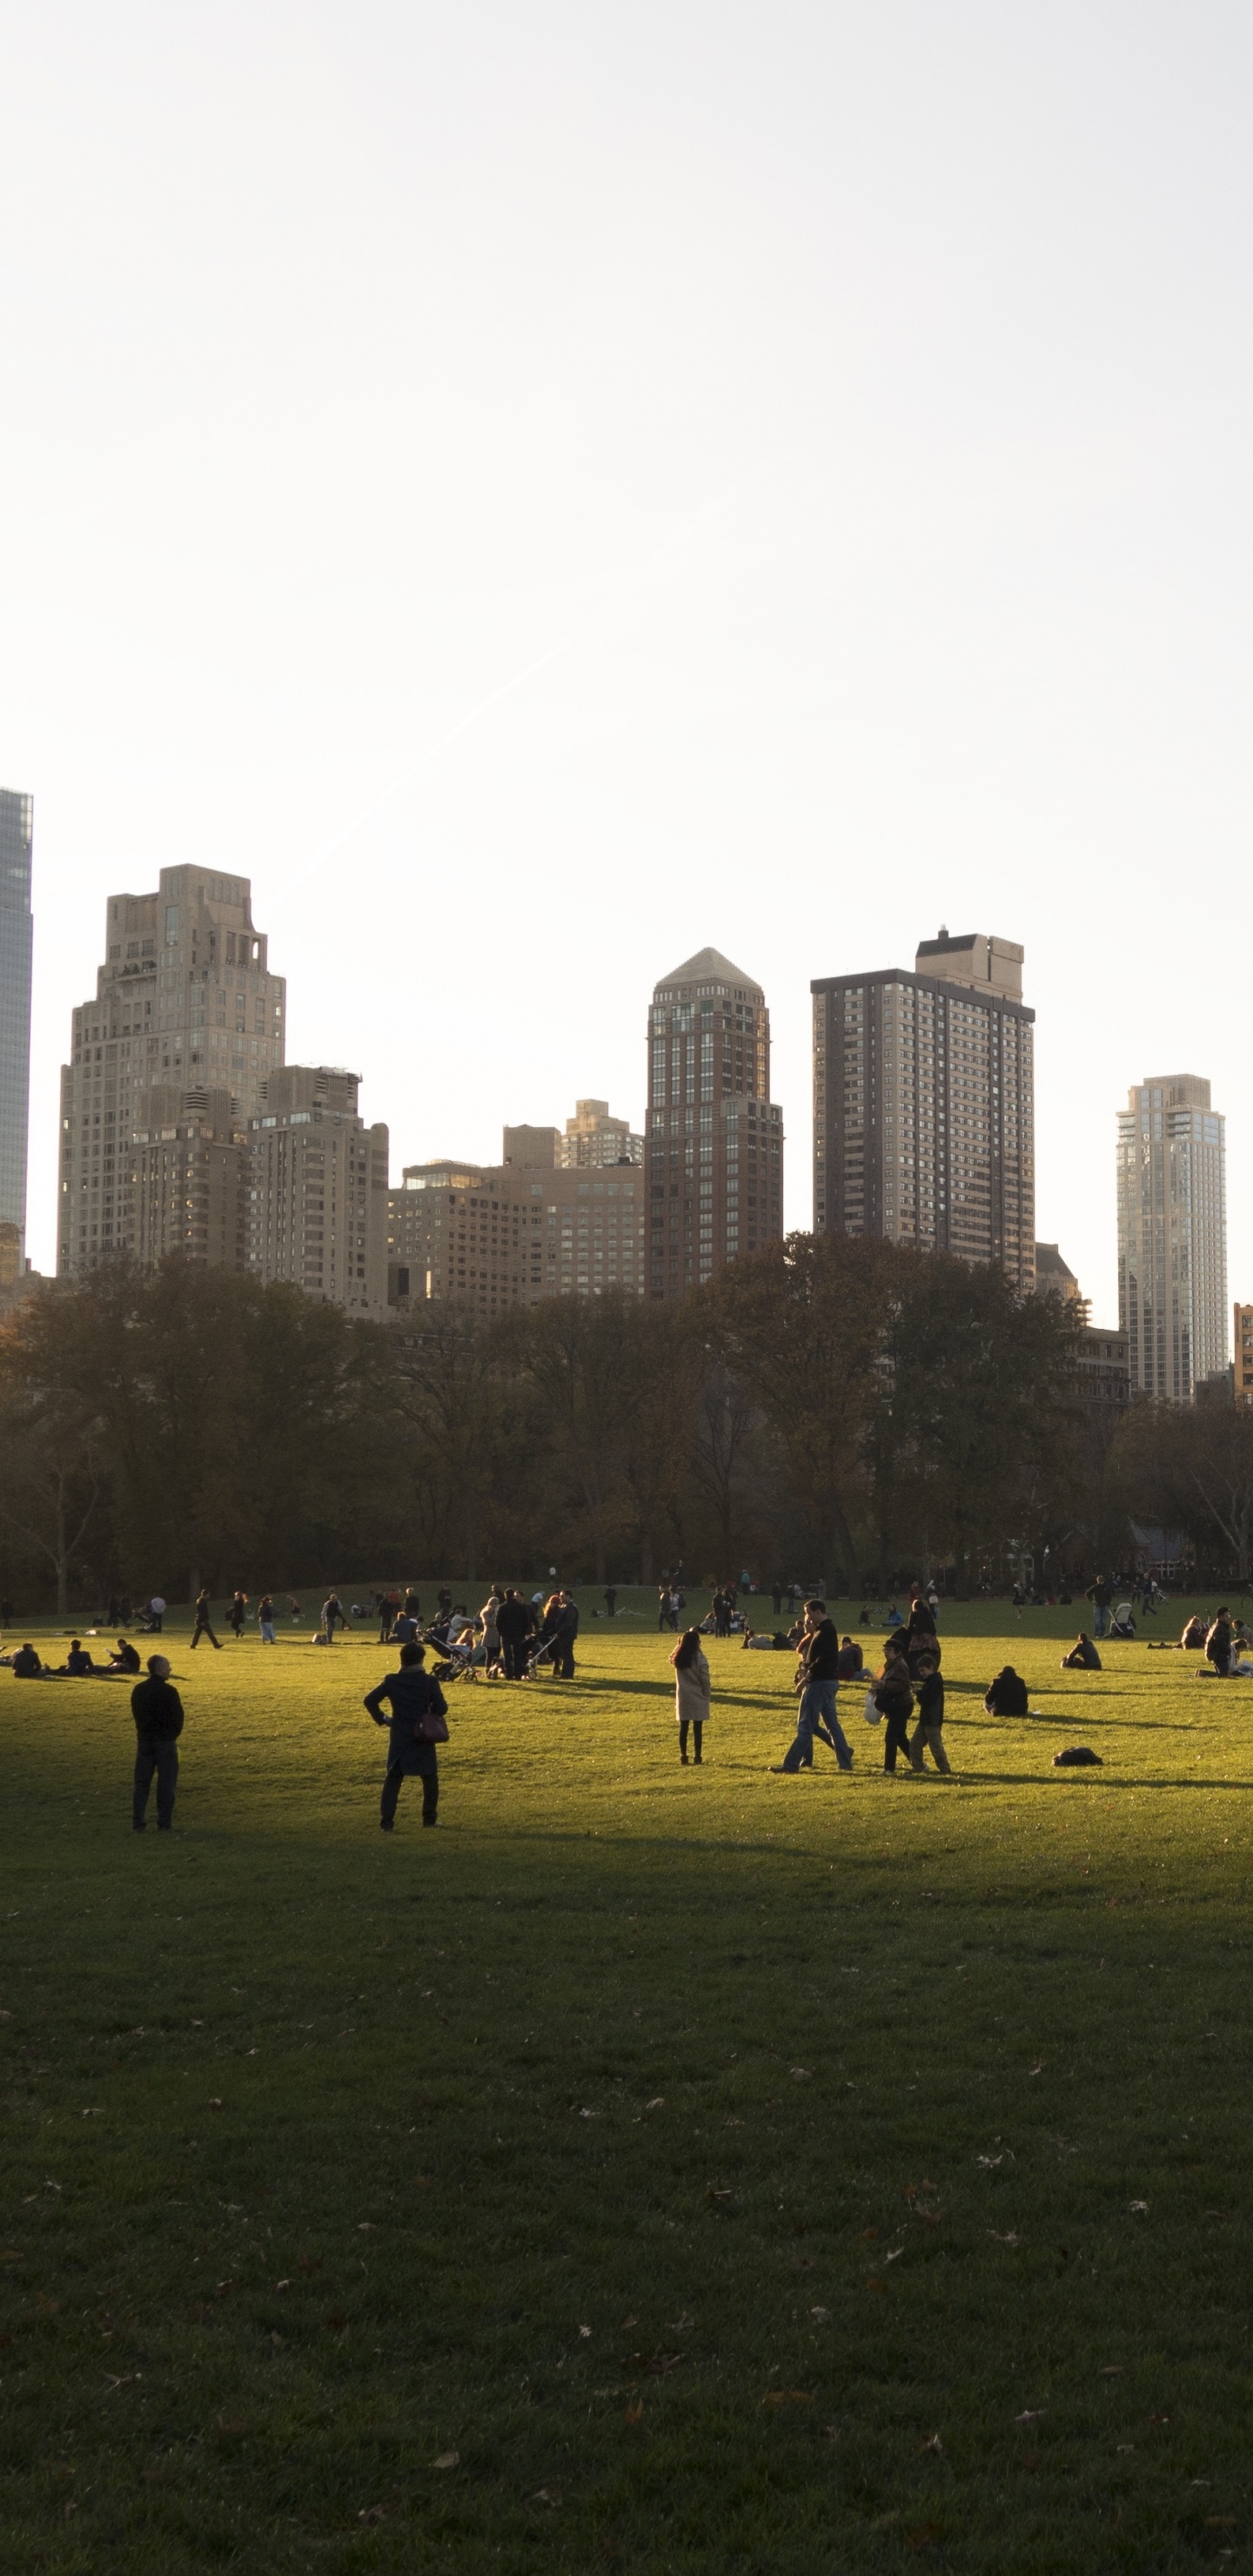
542, 489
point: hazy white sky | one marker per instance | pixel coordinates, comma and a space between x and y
834, 419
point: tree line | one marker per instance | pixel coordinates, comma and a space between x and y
830, 1409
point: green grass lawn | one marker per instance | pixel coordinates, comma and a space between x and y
651, 2169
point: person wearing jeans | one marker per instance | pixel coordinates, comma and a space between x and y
1100, 1594
158, 1714
817, 1679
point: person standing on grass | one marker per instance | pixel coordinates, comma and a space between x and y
204, 1622
563, 1637
691, 1691
611, 1600
332, 1615
515, 1624
818, 1681
929, 1732
895, 1703
265, 1618
158, 1714
237, 1613
1100, 1594
419, 1713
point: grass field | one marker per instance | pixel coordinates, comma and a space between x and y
649, 2170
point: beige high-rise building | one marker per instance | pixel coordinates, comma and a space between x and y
924, 1114
714, 1147
1172, 1235
593, 1138
184, 998
515, 1232
1242, 1374
184, 1185
317, 1190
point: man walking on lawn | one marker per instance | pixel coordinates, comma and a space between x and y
204, 1624
817, 1680
158, 1714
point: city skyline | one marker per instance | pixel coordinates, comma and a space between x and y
16, 946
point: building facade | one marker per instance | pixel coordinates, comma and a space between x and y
511, 1233
1172, 1236
184, 1189
1242, 1374
16, 840
593, 1139
713, 1157
184, 1000
317, 1191
924, 1109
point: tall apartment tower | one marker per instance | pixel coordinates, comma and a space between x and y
317, 1190
593, 1138
713, 1158
16, 833
924, 1119
1172, 1236
185, 999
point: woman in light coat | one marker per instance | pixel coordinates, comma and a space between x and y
691, 1691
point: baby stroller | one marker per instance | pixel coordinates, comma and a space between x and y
1122, 1624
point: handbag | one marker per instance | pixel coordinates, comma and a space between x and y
431, 1728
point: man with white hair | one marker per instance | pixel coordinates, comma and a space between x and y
158, 1714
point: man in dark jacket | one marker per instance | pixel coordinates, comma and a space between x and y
27, 1666
158, 1714
1083, 1657
515, 1624
204, 1622
416, 1700
818, 1681
566, 1630
1218, 1643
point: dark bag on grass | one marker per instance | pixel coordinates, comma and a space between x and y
1076, 1757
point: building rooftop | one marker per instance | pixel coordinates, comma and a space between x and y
709, 966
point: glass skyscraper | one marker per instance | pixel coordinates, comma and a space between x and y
16, 824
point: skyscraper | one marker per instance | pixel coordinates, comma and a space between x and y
16, 830
924, 1120
184, 998
714, 1147
1172, 1235
317, 1190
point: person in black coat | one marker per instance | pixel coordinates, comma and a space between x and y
158, 1714
417, 1703
515, 1625
1083, 1657
566, 1630
1007, 1695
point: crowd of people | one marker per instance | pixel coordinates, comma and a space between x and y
511, 1637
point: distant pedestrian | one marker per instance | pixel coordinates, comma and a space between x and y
895, 1703
691, 1692
387, 1612
204, 1622
1100, 1594
515, 1625
818, 1681
419, 1713
611, 1600
237, 1613
489, 1617
158, 1714
265, 1618
667, 1608
295, 1609
332, 1616
561, 1651
929, 1732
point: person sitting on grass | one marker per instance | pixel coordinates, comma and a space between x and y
126, 1659
1083, 1657
27, 1666
852, 1662
1218, 1644
418, 1714
929, 1732
78, 1663
1007, 1695
1193, 1637
774, 1644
